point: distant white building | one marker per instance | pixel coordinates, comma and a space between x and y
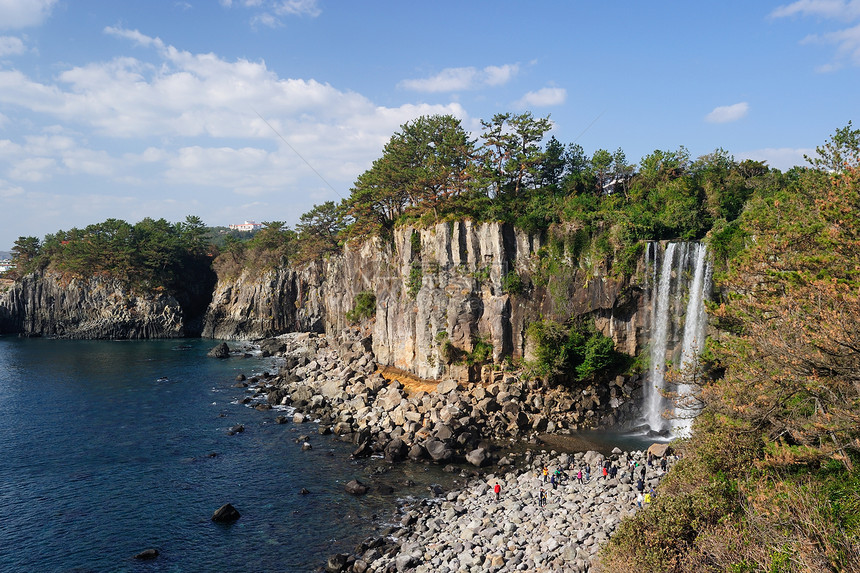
247, 226
5, 265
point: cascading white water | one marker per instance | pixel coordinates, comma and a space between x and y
677, 331
654, 400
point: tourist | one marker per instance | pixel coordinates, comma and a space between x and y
542, 498
545, 473
552, 481
605, 473
497, 489
613, 471
663, 463
640, 485
642, 472
587, 472
579, 476
639, 499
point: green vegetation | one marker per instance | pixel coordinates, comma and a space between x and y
431, 171
571, 353
364, 306
769, 479
512, 283
414, 280
149, 254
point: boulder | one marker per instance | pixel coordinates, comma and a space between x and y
438, 450
593, 458
417, 452
355, 487
220, 351
147, 554
336, 563
446, 386
477, 457
404, 562
395, 451
226, 514
443, 432
659, 450
363, 450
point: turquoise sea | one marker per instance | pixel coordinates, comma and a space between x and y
108, 448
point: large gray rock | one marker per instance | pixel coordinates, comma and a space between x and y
395, 451
446, 386
437, 450
477, 457
355, 487
219, 351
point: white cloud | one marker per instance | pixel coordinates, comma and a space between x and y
542, 98
847, 44
728, 113
11, 46
33, 169
834, 9
499, 75
8, 190
782, 158
462, 79
24, 13
847, 41
297, 8
268, 11
189, 121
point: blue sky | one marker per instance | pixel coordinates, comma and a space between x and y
129, 109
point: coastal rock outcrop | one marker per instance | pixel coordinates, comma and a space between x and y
44, 304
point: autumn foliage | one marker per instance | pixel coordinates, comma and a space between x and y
770, 478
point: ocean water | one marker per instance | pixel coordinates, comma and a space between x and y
109, 448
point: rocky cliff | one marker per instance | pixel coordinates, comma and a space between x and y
439, 290
42, 304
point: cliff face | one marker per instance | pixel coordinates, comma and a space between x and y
441, 292
42, 305
277, 301
439, 289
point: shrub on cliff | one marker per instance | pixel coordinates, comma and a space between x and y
575, 352
364, 306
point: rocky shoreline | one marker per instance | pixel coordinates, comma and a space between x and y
472, 530
338, 386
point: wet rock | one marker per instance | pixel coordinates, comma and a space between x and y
336, 563
226, 514
355, 487
219, 351
147, 554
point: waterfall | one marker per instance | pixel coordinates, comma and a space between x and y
677, 330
